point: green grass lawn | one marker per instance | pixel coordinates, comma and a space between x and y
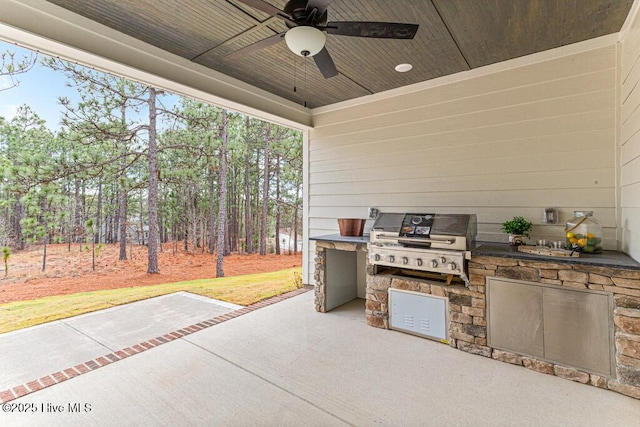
242, 290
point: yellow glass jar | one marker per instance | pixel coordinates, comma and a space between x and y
585, 232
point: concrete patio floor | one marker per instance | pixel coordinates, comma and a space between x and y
32, 353
285, 364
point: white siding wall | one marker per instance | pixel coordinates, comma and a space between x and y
630, 139
503, 142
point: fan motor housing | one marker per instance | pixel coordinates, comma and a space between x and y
297, 9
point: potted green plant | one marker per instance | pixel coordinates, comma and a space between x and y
518, 229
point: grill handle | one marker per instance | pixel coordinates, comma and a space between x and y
419, 240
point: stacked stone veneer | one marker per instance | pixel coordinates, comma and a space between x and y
467, 321
319, 275
468, 324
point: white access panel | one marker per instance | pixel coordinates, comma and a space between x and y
420, 314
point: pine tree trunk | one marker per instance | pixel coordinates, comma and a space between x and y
77, 217
257, 206
295, 222
46, 232
122, 195
123, 224
141, 218
222, 198
152, 266
98, 234
212, 215
231, 219
113, 219
265, 195
232, 214
69, 224
248, 232
18, 213
278, 249
194, 221
44, 255
83, 199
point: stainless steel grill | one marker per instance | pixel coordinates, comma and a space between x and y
424, 242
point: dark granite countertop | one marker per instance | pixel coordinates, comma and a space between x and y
610, 259
364, 239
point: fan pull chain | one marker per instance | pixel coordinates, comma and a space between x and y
295, 77
295, 73
305, 80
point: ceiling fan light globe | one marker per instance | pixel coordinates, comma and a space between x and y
305, 41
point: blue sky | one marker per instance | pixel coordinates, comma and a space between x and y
40, 89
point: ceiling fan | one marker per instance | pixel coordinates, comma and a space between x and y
307, 23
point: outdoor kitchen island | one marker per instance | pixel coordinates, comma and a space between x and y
576, 318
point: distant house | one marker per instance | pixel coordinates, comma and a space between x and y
136, 235
287, 243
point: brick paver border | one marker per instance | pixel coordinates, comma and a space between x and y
91, 365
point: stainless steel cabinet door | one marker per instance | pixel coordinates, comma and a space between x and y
515, 317
566, 326
577, 329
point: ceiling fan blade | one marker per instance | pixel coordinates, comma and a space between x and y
381, 30
267, 8
325, 63
252, 48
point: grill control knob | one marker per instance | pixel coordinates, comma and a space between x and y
419, 262
376, 257
405, 260
452, 266
433, 263
442, 260
392, 258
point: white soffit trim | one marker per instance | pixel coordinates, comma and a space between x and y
633, 13
45, 27
511, 64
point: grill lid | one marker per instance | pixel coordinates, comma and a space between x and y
426, 230
424, 224
389, 222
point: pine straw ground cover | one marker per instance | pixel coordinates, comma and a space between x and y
70, 287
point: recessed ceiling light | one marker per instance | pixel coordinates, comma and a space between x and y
403, 68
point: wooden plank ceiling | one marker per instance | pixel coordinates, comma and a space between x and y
454, 36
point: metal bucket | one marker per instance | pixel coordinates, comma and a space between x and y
351, 226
